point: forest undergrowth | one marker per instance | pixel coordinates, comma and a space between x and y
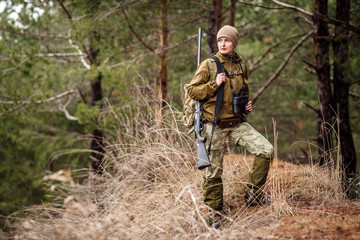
150, 189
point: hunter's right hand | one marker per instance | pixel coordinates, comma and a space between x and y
220, 78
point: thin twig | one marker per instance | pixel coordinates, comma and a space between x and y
28, 101
354, 95
281, 67
133, 31
258, 5
285, 5
65, 10
311, 107
255, 64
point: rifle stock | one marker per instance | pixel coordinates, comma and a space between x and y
202, 155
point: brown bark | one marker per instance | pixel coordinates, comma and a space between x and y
322, 67
218, 13
341, 91
97, 141
162, 81
214, 24
232, 13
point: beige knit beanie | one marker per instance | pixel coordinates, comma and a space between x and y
229, 32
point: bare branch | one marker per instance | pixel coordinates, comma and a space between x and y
63, 109
28, 101
355, 82
258, 5
309, 64
322, 17
310, 70
58, 55
281, 67
157, 51
179, 43
82, 55
82, 58
274, 57
121, 5
65, 10
35, 36
285, 5
82, 97
13, 68
354, 95
305, 19
255, 64
339, 23
133, 31
311, 107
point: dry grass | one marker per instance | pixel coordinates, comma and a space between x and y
151, 189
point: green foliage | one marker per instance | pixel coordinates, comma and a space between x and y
88, 116
34, 128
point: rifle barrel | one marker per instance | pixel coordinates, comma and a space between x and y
199, 47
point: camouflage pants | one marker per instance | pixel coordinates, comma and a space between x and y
243, 135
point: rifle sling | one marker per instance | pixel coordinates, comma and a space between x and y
219, 97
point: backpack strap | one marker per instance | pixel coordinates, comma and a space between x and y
219, 97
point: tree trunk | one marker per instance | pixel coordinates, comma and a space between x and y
214, 24
232, 12
322, 67
97, 141
341, 91
162, 81
218, 13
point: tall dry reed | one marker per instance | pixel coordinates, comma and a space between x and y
151, 189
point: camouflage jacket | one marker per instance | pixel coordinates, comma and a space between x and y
203, 85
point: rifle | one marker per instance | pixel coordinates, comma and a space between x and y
202, 155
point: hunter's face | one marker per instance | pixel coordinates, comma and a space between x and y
225, 45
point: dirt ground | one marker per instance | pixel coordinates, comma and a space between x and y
332, 222
311, 217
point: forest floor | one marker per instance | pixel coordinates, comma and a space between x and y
158, 200
330, 222
306, 217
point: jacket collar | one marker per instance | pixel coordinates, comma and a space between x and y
234, 57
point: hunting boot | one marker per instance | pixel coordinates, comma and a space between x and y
215, 219
257, 178
213, 193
